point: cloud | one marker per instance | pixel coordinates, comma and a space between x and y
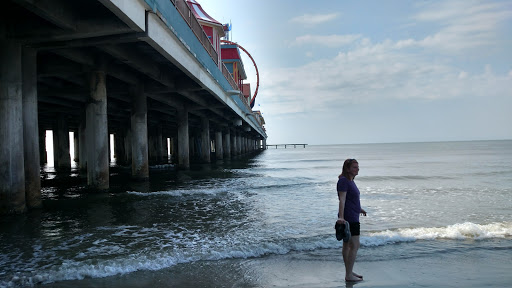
375, 72
313, 19
464, 24
422, 69
328, 40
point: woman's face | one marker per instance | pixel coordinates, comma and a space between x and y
354, 169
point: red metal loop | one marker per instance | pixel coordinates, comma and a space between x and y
256, 67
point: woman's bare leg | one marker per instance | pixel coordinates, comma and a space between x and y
349, 257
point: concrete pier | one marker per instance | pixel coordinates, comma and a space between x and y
97, 132
139, 125
144, 60
205, 140
226, 145
159, 144
42, 147
239, 144
82, 147
219, 154
76, 144
12, 170
61, 157
31, 130
119, 146
183, 139
234, 150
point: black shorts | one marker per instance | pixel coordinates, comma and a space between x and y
355, 228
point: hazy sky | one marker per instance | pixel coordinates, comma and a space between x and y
335, 72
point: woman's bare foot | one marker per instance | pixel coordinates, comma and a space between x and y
357, 275
353, 278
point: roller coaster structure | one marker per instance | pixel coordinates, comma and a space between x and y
256, 67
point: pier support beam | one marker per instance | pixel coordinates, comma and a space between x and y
12, 169
97, 132
139, 123
166, 149
226, 145
239, 144
62, 159
183, 139
76, 144
82, 147
42, 146
219, 154
151, 146
192, 147
128, 146
159, 144
174, 150
233, 143
120, 153
205, 140
31, 130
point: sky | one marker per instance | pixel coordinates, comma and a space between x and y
343, 72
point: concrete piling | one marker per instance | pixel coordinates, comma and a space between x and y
239, 144
42, 146
31, 129
82, 147
76, 144
183, 139
58, 82
61, 158
159, 144
205, 140
12, 170
219, 154
139, 127
233, 144
97, 133
226, 145
128, 146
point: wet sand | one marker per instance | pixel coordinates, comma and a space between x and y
474, 269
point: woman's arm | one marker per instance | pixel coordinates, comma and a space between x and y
342, 195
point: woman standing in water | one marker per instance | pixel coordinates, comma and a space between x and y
349, 210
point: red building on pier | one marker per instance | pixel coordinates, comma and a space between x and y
228, 54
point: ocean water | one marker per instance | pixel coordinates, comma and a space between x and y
423, 200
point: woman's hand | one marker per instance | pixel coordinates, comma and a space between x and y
340, 221
363, 212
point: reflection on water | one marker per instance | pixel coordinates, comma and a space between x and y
176, 216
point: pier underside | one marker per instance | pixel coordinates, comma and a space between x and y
106, 67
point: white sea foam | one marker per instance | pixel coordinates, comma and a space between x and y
182, 192
195, 248
458, 231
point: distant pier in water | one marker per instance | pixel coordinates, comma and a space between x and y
285, 145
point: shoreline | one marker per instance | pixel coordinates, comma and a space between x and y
475, 268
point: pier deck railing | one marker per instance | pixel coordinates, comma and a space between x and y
196, 27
